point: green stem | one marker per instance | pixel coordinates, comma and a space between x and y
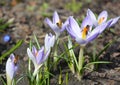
9, 81
81, 58
55, 50
80, 63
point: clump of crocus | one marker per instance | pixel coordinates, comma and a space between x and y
38, 57
56, 25
11, 68
87, 32
102, 18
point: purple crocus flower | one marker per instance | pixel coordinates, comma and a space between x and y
37, 56
49, 41
102, 18
85, 33
56, 25
11, 67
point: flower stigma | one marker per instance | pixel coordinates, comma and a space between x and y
101, 20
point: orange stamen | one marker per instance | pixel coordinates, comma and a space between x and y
101, 20
85, 31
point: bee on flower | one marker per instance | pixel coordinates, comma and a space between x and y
56, 25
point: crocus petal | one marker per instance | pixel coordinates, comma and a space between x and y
45, 56
34, 50
51, 40
11, 68
65, 25
92, 37
92, 16
31, 56
80, 40
74, 26
114, 21
72, 34
104, 26
40, 55
86, 21
46, 41
55, 18
104, 15
48, 21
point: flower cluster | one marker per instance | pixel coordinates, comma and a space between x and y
90, 28
38, 57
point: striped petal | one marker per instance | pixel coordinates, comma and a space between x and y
92, 16
56, 18
74, 26
31, 56
11, 67
114, 21
39, 56
86, 21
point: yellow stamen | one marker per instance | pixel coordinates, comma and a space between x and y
101, 20
59, 24
85, 31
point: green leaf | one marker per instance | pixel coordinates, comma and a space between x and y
104, 49
19, 43
97, 62
4, 83
36, 40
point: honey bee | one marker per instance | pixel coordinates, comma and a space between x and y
85, 31
16, 59
59, 24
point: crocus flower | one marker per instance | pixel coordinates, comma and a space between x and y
57, 26
37, 56
102, 18
49, 41
11, 68
85, 33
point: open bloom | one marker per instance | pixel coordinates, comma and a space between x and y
11, 67
49, 41
57, 26
102, 18
37, 56
85, 33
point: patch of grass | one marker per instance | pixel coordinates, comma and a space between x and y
74, 6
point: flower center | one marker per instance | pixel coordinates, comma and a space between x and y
36, 54
101, 20
85, 31
59, 24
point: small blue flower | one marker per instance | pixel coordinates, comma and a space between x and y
6, 38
